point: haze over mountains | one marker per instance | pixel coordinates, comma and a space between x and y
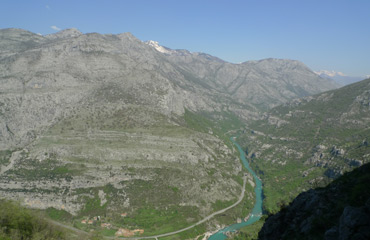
98, 124
340, 77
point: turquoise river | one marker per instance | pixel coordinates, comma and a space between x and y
256, 213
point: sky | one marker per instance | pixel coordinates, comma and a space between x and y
323, 34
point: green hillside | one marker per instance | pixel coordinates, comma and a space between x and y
340, 210
17, 222
308, 142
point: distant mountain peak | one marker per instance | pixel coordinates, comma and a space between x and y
66, 33
72, 31
330, 73
339, 77
158, 47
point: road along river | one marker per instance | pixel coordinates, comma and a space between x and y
256, 213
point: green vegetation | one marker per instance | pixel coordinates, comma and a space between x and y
282, 184
345, 199
354, 186
190, 234
249, 232
17, 222
197, 122
93, 207
46, 169
5, 156
218, 205
58, 215
156, 221
309, 142
218, 123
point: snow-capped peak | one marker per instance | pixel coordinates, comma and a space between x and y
339, 77
158, 47
330, 73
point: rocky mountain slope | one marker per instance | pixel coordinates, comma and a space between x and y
339, 211
93, 125
62, 69
310, 141
102, 125
264, 84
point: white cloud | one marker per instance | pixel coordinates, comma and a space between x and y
55, 28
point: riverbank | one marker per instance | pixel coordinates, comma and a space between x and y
256, 213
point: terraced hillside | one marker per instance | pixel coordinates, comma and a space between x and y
105, 162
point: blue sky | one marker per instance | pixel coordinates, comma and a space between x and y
324, 34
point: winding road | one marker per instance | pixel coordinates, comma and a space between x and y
170, 233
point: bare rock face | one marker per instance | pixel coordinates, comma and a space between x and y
43, 77
355, 223
67, 33
42, 84
265, 83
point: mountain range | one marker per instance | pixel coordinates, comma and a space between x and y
108, 125
339, 77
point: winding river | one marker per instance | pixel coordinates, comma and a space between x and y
256, 213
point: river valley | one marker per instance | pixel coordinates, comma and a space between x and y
256, 213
